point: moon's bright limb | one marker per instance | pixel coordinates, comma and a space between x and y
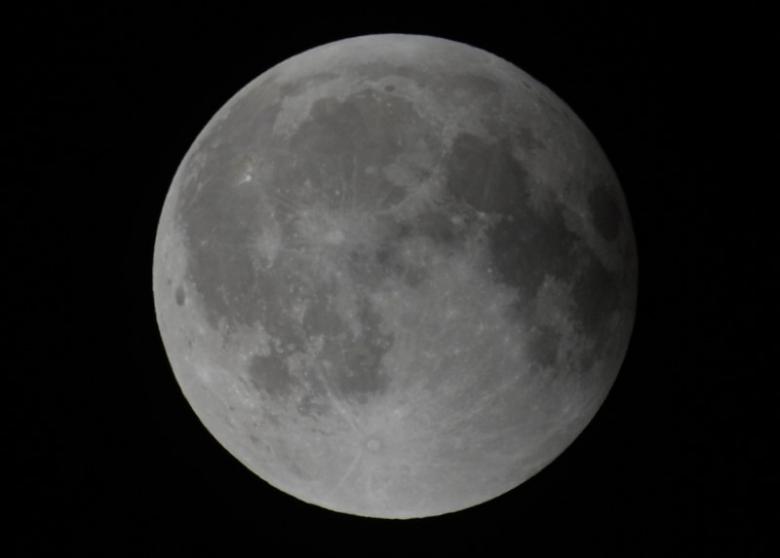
395, 276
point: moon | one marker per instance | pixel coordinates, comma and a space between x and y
395, 276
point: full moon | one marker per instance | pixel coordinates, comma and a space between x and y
395, 276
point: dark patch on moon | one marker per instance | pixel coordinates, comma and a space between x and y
526, 139
434, 228
356, 369
325, 162
526, 246
587, 358
529, 247
294, 88
226, 282
224, 152
180, 296
479, 86
543, 345
445, 226
485, 176
362, 373
219, 222
312, 406
342, 138
369, 266
390, 263
321, 316
381, 69
597, 294
270, 374
362, 265
444, 229
605, 211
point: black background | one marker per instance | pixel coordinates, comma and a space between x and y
111, 458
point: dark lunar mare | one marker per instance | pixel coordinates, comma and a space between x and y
341, 140
322, 165
527, 246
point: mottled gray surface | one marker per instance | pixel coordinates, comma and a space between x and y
395, 276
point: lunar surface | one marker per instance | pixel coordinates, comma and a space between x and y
395, 276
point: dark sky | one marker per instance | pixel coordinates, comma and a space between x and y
109, 455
